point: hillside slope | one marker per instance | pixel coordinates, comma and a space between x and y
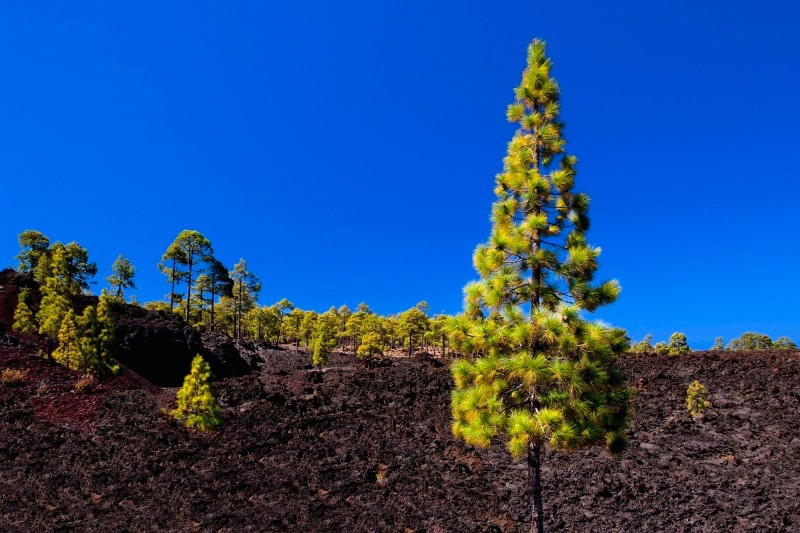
350, 449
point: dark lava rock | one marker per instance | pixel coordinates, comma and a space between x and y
370, 449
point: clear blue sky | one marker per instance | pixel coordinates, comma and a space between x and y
348, 150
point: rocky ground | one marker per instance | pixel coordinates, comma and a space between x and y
352, 449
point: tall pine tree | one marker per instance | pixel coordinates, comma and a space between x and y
173, 257
189, 249
220, 283
122, 273
246, 287
540, 374
55, 296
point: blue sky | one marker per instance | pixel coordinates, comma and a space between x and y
348, 150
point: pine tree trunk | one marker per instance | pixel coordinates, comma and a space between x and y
189, 290
172, 292
212, 304
535, 488
239, 333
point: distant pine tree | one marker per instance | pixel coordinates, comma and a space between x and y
24, 321
122, 275
644, 346
196, 405
308, 325
751, 341
784, 343
371, 347
542, 375
678, 345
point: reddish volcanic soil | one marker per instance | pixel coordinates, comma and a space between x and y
351, 449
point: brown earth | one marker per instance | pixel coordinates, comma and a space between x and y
351, 449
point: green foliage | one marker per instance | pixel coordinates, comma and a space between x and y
263, 323
220, 284
246, 287
189, 249
24, 322
202, 287
294, 322
173, 256
541, 373
644, 346
106, 341
371, 346
661, 348
69, 341
413, 325
308, 325
678, 344
719, 344
696, 398
284, 307
437, 332
55, 296
751, 341
76, 270
88, 356
784, 343
324, 337
196, 405
33, 245
566, 393
157, 305
122, 273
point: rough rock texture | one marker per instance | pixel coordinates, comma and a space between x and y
350, 449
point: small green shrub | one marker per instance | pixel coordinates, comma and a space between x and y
11, 377
696, 398
197, 407
719, 344
678, 345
